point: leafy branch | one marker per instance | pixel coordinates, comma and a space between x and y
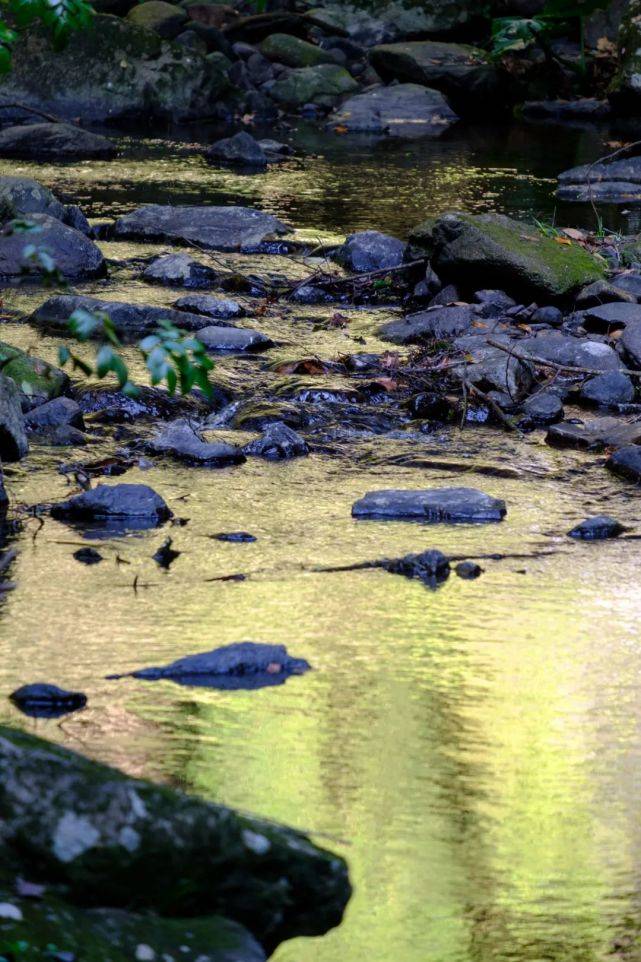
512, 34
170, 354
60, 17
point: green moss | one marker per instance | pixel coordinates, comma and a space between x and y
35, 378
321, 84
293, 52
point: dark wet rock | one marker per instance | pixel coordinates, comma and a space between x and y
617, 181
571, 351
241, 150
244, 665
585, 108
165, 19
545, 408
603, 292
88, 556
597, 528
47, 701
626, 462
46, 141
234, 537
13, 439
294, 52
278, 443
431, 567
60, 436
135, 505
630, 344
75, 256
493, 303
604, 318
22, 195
96, 832
607, 390
127, 319
495, 370
233, 339
37, 380
182, 441
603, 191
75, 218
595, 435
548, 315
216, 228
275, 151
180, 270
320, 85
116, 70
220, 308
432, 505
369, 250
430, 406
443, 322
490, 249
401, 110
461, 72
109, 405
62, 410
469, 570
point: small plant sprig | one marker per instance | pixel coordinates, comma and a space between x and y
171, 355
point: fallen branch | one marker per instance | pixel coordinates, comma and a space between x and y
16, 105
554, 365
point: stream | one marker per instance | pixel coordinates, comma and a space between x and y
473, 751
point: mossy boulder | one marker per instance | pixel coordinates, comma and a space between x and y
36, 380
316, 85
490, 250
461, 72
114, 841
165, 19
625, 88
293, 52
114, 70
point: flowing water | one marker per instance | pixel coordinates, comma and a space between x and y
474, 751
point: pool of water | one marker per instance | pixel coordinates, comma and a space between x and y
473, 751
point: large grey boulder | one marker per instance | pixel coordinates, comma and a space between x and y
594, 435
115, 70
605, 318
181, 440
46, 141
220, 308
76, 257
22, 195
493, 250
278, 443
294, 52
449, 505
52, 414
165, 19
129, 505
13, 439
618, 181
233, 339
241, 150
463, 73
321, 85
217, 228
180, 270
608, 390
128, 319
630, 343
401, 110
564, 349
110, 840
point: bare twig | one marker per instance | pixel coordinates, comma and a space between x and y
16, 105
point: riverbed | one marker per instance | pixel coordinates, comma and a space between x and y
472, 750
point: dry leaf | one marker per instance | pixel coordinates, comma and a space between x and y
577, 235
341, 129
563, 240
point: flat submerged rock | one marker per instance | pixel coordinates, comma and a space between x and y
433, 505
128, 505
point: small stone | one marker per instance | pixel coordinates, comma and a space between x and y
10, 912
548, 315
468, 570
88, 556
234, 537
597, 528
145, 953
545, 408
278, 443
432, 505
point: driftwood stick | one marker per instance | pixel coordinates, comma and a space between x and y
16, 105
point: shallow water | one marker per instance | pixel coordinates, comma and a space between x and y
473, 751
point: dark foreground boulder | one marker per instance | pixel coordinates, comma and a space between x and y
181, 440
47, 701
114, 70
115, 841
494, 250
128, 319
245, 664
217, 228
75, 256
54, 142
598, 528
124, 505
431, 505
401, 110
